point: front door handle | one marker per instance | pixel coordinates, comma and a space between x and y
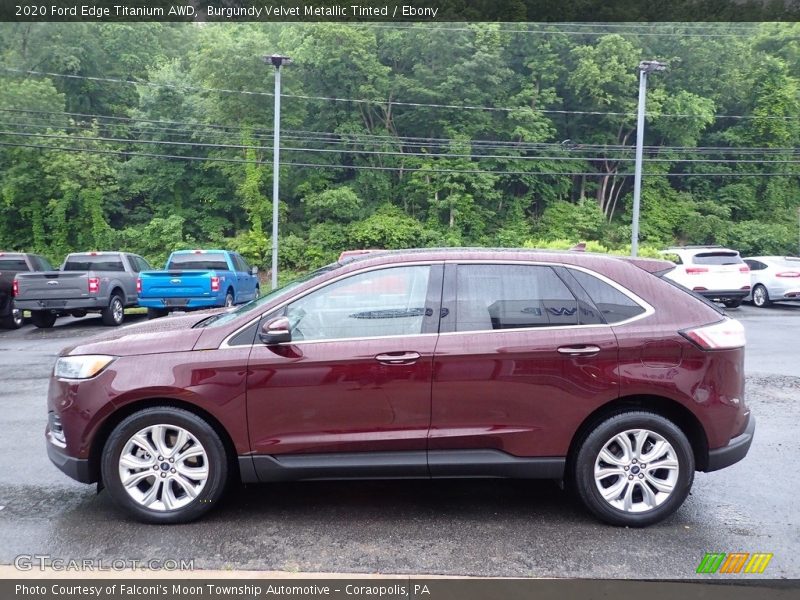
398, 358
579, 350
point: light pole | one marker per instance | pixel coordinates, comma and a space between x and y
276, 61
645, 67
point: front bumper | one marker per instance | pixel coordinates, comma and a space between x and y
736, 450
77, 468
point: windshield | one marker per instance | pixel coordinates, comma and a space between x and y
254, 305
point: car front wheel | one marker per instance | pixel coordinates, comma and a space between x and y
165, 465
634, 469
761, 296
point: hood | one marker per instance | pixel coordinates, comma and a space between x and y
168, 334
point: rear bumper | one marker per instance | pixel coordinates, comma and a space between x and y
721, 295
736, 450
181, 303
77, 468
63, 305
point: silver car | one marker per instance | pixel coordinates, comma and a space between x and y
773, 279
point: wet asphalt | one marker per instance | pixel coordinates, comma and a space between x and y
469, 527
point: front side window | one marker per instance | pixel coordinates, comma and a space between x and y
491, 297
612, 303
373, 304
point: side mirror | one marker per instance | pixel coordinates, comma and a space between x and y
253, 271
276, 331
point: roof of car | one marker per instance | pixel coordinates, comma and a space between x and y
571, 257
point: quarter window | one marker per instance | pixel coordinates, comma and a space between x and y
490, 297
377, 303
612, 303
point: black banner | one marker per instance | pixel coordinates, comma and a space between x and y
400, 10
393, 589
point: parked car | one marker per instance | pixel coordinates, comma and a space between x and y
195, 279
12, 263
96, 282
773, 279
714, 272
435, 363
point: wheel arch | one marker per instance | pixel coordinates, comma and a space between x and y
683, 418
107, 426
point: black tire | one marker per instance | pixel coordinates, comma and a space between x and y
15, 320
215, 484
733, 303
761, 296
114, 314
43, 319
156, 313
258, 293
229, 300
602, 435
78, 314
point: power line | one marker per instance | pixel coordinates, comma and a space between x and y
499, 109
381, 168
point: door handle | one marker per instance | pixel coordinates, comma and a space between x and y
398, 358
578, 350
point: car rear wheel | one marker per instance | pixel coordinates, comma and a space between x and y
13, 321
761, 296
114, 313
165, 465
634, 469
229, 299
44, 319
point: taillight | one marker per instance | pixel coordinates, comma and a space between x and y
696, 270
16, 288
94, 285
744, 269
215, 284
138, 285
723, 335
787, 274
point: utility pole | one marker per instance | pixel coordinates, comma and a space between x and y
645, 67
276, 61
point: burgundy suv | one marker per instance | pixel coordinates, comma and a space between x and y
432, 363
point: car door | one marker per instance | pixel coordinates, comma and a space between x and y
521, 360
356, 377
248, 280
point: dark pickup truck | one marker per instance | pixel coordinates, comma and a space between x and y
103, 282
12, 263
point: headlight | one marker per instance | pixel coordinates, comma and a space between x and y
82, 367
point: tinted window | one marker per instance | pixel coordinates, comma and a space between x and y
377, 303
205, 261
13, 264
717, 258
238, 261
42, 264
142, 263
492, 297
97, 262
588, 313
613, 304
755, 265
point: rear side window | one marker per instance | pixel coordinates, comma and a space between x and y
13, 264
492, 297
42, 264
96, 262
612, 303
717, 258
212, 261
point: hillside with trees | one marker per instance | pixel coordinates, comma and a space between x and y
152, 137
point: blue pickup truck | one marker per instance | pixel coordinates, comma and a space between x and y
195, 279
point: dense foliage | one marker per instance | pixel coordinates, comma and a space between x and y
151, 137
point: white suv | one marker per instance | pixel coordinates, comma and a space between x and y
715, 272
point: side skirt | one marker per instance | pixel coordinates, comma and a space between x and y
398, 465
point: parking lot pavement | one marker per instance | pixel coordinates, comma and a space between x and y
470, 527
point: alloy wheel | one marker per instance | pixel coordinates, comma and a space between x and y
636, 470
163, 467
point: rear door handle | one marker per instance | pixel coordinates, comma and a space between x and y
398, 358
578, 350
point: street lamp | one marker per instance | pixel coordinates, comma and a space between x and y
276, 61
645, 67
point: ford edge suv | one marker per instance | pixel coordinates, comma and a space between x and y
430, 363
